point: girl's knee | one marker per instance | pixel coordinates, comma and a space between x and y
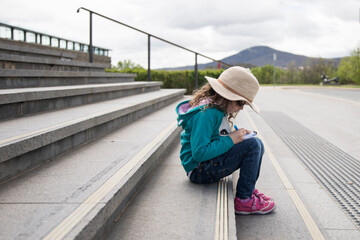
260, 142
255, 143
252, 144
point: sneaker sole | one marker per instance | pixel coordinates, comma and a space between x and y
256, 213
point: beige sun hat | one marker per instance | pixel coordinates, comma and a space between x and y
237, 83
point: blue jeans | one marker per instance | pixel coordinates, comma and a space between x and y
246, 155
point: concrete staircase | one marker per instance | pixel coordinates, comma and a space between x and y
75, 142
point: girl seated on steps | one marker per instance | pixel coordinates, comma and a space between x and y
210, 151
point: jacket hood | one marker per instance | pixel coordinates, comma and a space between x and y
185, 111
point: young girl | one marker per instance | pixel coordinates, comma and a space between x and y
210, 151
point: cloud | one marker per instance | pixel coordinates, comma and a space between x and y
199, 14
327, 28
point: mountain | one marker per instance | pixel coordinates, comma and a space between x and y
259, 56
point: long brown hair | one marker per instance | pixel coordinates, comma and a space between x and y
207, 93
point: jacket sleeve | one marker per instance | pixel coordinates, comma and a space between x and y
203, 145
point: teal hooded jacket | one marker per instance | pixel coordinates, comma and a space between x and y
201, 139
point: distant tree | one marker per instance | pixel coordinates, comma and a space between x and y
268, 73
265, 74
291, 73
344, 70
306, 73
349, 68
127, 65
314, 68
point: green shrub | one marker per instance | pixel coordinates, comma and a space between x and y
348, 72
173, 79
349, 68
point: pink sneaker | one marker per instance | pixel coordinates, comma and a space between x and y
254, 205
261, 195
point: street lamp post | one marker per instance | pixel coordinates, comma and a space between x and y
274, 57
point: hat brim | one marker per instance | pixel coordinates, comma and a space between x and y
222, 91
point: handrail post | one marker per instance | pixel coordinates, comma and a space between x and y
149, 36
90, 40
196, 72
149, 70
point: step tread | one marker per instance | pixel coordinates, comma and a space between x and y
58, 187
50, 73
29, 94
51, 126
49, 52
169, 206
42, 60
11, 128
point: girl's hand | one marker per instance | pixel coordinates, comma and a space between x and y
238, 136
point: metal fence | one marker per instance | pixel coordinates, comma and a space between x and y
30, 36
149, 36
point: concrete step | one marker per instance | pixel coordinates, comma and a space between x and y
30, 141
80, 193
12, 47
26, 101
169, 206
15, 61
47, 78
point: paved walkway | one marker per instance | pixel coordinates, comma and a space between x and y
329, 114
170, 207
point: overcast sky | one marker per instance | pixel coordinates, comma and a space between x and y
216, 28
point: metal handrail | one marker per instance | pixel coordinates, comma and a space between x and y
149, 36
39, 37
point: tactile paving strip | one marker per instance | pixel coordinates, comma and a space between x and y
336, 170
